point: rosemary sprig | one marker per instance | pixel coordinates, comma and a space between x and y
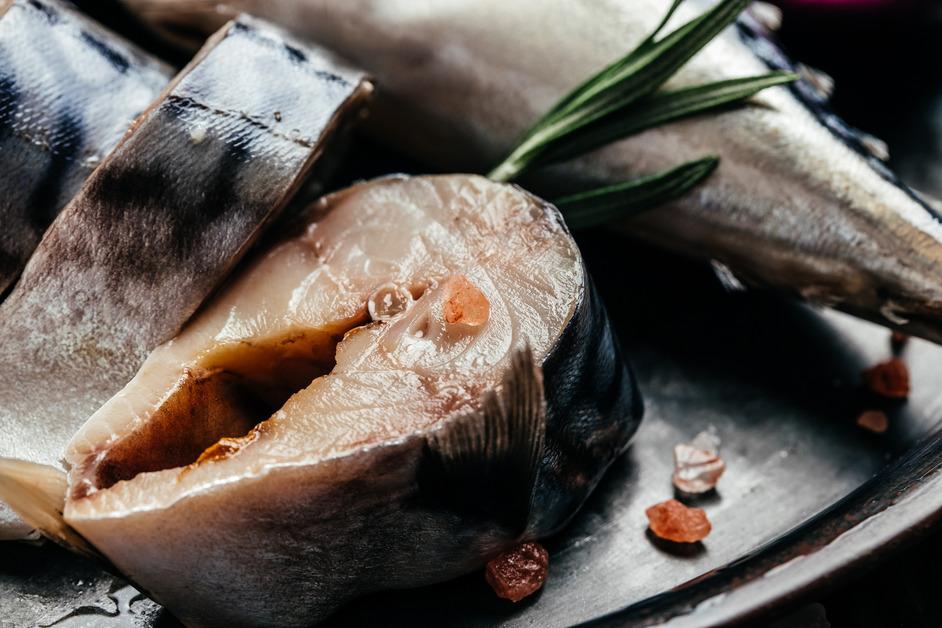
588, 209
608, 76
620, 85
622, 100
657, 109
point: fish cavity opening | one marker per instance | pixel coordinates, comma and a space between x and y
226, 395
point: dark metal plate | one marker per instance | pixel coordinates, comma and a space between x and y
781, 385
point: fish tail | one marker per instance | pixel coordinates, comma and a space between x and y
36, 492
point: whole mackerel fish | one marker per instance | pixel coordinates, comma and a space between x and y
68, 91
799, 203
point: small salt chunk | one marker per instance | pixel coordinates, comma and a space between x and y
874, 421
518, 573
465, 304
673, 521
888, 379
697, 464
707, 440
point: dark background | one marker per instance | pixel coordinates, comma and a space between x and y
885, 58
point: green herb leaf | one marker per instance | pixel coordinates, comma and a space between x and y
649, 65
621, 84
657, 109
606, 76
667, 18
620, 101
588, 209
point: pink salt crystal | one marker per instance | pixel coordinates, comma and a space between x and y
465, 303
518, 573
898, 340
673, 521
888, 379
874, 421
697, 465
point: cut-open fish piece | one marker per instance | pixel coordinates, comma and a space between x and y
158, 226
68, 91
327, 426
800, 202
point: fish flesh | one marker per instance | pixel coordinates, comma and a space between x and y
158, 226
418, 378
64, 104
800, 202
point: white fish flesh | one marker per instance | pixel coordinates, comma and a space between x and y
327, 426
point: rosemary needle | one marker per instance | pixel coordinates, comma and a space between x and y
622, 100
588, 209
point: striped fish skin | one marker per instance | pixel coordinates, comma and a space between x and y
794, 205
371, 472
68, 91
158, 226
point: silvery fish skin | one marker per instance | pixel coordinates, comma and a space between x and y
158, 226
68, 91
794, 205
327, 426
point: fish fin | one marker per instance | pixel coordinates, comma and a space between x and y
486, 461
766, 15
36, 492
875, 147
819, 80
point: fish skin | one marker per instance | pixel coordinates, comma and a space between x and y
158, 226
585, 387
794, 206
64, 104
283, 541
